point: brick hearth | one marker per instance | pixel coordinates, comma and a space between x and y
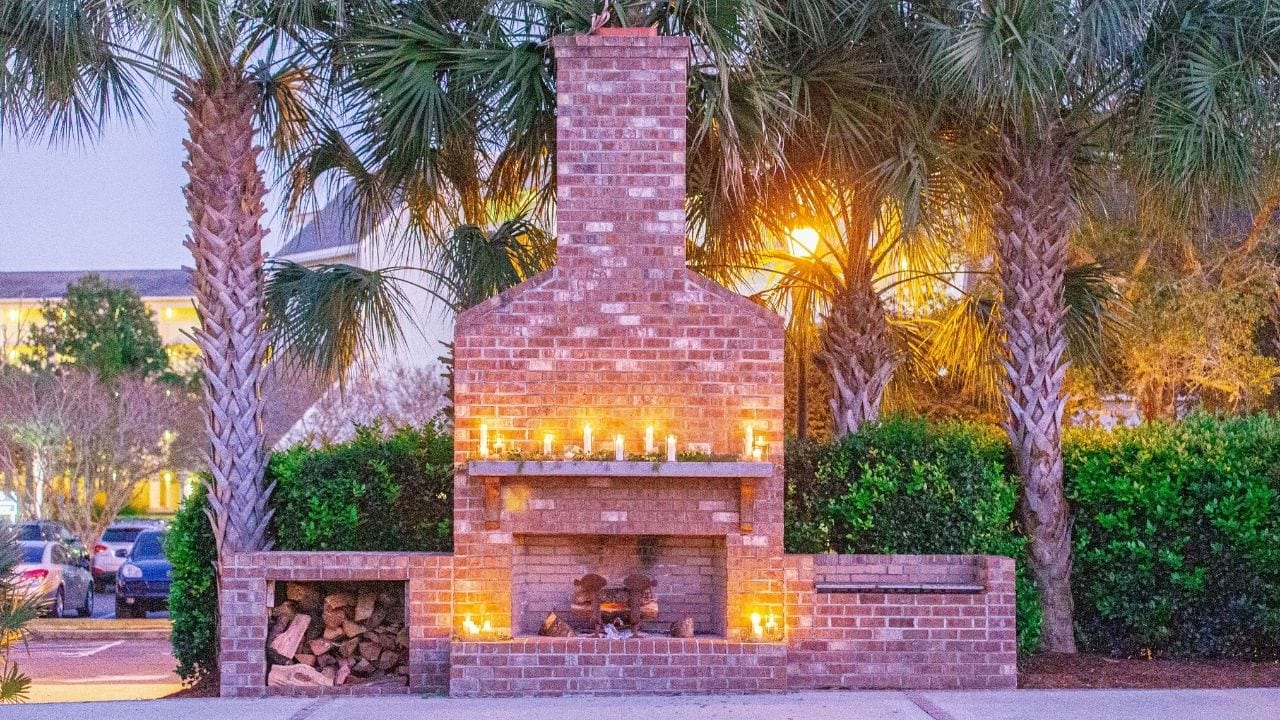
620, 335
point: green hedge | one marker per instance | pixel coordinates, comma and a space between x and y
368, 494
906, 485
1177, 529
193, 592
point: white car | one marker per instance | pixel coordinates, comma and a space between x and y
58, 575
113, 549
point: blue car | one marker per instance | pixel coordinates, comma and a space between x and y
142, 582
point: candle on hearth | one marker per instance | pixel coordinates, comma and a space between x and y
671, 448
469, 625
586, 439
749, 445
484, 440
617, 447
757, 629
546, 444
771, 625
487, 628
648, 440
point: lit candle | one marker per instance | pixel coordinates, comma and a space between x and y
484, 440
648, 440
671, 448
749, 443
757, 454
470, 627
546, 444
499, 445
487, 628
771, 625
586, 439
756, 629
617, 447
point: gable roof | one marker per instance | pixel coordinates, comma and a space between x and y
333, 226
52, 284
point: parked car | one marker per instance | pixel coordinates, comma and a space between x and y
142, 582
110, 552
33, 530
55, 573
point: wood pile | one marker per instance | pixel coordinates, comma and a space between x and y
328, 634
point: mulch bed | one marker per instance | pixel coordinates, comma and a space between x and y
1059, 672
206, 687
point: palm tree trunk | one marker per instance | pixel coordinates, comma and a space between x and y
224, 199
856, 352
1032, 222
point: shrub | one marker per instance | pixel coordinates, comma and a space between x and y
372, 493
1177, 537
193, 592
906, 485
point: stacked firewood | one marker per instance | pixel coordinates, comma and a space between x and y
338, 634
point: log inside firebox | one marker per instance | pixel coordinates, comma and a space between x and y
354, 633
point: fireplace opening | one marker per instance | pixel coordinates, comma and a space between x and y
324, 634
619, 585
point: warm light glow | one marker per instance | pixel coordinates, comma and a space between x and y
546, 443
484, 440
470, 627
13, 316
757, 630
671, 448
648, 440
499, 444
749, 443
586, 439
168, 313
617, 448
803, 241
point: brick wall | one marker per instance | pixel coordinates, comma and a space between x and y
246, 596
595, 666
690, 572
901, 639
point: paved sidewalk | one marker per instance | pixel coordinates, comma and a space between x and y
1253, 704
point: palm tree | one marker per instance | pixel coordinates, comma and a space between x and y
240, 71
1173, 87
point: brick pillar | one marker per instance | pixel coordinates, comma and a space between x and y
620, 153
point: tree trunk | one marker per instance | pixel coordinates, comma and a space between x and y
856, 351
224, 199
1032, 222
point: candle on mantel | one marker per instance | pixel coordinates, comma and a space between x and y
546, 444
484, 440
750, 444
757, 452
586, 439
671, 448
617, 447
648, 440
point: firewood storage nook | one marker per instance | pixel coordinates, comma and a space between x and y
618, 490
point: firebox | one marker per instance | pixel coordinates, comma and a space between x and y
687, 579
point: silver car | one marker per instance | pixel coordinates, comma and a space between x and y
56, 574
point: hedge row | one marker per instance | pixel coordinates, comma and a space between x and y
1177, 527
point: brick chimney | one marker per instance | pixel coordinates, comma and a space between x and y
620, 152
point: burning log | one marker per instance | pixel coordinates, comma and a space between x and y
553, 626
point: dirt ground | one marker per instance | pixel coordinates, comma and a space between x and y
1095, 671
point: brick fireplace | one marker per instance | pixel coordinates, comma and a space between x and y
620, 341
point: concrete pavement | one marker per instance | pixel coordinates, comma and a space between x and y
1252, 704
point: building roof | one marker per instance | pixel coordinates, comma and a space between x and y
52, 284
333, 226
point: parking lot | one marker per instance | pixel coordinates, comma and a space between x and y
68, 670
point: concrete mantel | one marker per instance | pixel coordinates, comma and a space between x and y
626, 468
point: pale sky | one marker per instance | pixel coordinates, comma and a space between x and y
111, 205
